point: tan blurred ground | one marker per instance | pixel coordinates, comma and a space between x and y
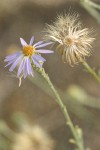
24, 18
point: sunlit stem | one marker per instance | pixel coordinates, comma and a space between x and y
77, 135
89, 2
91, 71
6, 131
91, 9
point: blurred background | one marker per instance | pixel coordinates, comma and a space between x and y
30, 110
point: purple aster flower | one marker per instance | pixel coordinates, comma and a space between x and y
29, 55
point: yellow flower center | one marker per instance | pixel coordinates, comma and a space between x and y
28, 50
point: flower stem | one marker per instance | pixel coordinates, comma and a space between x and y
91, 9
77, 134
6, 131
91, 71
89, 2
97, 6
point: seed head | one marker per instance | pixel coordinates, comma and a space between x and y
74, 42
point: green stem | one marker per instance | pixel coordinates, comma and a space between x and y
91, 71
6, 131
92, 11
76, 135
97, 6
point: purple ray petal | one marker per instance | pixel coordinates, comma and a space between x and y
10, 62
42, 45
31, 40
26, 66
20, 68
44, 51
23, 43
38, 43
25, 69
39, 58
35, 61
15, 63
12, 57
29, 67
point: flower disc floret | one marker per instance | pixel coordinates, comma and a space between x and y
28, 50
